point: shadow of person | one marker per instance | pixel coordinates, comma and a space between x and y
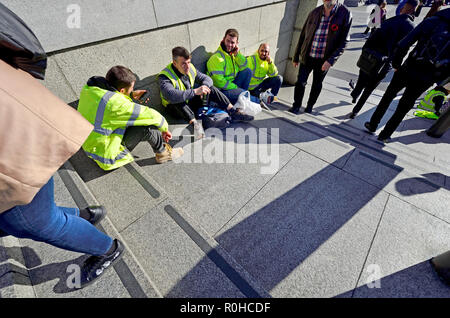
12, 274
61, 271
200, 57
417, 185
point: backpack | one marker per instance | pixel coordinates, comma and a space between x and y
214, 117
436, 51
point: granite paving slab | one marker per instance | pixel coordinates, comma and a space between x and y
406, 239
307, 232
177, 265
213, 188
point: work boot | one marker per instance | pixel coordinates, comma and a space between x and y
168, 154
95, 266
199, 133
308, 109
294, 110
384, 140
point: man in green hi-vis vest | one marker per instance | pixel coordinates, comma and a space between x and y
120, 123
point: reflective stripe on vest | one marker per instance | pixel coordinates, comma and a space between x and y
101, 112
225, 68
162, 123
107, 161
168, 70
176, 81
427, 102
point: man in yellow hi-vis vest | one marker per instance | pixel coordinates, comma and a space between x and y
106, 102
264, 73
184, 89
228, 67
432, 103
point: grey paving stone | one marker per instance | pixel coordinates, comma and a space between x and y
212, 192
172, 260
307, 138
307, 232
50, 270
124, 198
131, 274
417, 190
406, 239
122, 195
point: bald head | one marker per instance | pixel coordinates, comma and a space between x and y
263, 51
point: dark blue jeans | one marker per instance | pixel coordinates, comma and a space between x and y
272, 83
41, 220
242, 80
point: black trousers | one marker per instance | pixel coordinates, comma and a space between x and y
311, 65
416, 80
366, 84
188, 110
135, 134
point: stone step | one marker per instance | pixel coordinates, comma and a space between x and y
166, 241
406, 150
404, 176
41, 270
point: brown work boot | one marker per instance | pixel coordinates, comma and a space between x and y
169, 154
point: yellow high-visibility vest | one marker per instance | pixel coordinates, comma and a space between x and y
111, 113
176, 81
260, 70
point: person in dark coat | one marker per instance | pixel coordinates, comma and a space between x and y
383, 41
423, 67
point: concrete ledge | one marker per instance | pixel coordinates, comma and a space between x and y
15, 280
62, 24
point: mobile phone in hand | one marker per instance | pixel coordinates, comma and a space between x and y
144, 98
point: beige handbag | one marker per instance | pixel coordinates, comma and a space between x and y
38, 133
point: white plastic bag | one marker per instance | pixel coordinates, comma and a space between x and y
246, 105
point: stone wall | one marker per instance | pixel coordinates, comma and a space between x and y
143, 33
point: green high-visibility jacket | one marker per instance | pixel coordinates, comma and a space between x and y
176, 81
426, 114
260, 70
223, 68
427, 102
111, 113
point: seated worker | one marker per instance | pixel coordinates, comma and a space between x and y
106, 102
432, 103
228, 67
264, 73
177, 82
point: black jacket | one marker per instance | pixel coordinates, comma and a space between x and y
440, 22
385, 39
